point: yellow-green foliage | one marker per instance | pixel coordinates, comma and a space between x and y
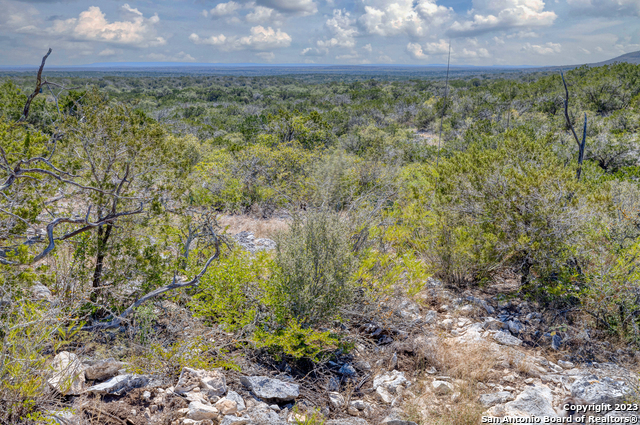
296, 342
234, 179
229, 291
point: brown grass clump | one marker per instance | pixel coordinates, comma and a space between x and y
261, 228
466, 365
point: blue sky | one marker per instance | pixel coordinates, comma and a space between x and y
482, 32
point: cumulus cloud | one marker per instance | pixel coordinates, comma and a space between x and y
543, 49
606, 7
367, 47
341, 29
502, 15
417, 51
404, 17
313, 51
260, 38
223, 9
293, 7
91, 25
261, 15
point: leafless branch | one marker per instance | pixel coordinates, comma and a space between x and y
88, 225
36, 91
582, 144
175, 284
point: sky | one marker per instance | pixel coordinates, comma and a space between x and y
410, 32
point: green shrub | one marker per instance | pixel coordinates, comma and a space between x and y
314, 263
297, 342
513, 207
229, 291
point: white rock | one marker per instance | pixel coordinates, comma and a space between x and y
103, 369
442, 387
566, 365
336, 399
199, 411
507, 339
68, 374
119, 384
226, 406
389, 380
211, 382
234, 420
232, 395
384, 395
271, 389
533, 401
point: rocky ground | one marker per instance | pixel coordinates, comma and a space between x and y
441, 357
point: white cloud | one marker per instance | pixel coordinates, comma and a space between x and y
224, 9
606, 7
341, 29
312, 51
404, 16
16, 15
474, 53
367, 47
544, 49
501, 15
268, 56
293, 7
440, 47
107, 52
260, 39
415, 50
91, 25
160, 57
262, 15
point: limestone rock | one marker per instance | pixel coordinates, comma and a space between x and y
506, 339
226, 406
488, 400
103, 369
395, 418
384, 395
533, 401
594, 390
211, 382
199, 411
336, 399
68, 374
232, 395
41, 293
271, 389
389, 380
120, 384
442, 387
234, 420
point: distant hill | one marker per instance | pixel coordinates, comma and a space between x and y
633, 57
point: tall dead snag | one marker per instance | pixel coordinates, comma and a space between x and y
581, 144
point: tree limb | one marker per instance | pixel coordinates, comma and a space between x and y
566, 109
173, 285
36, 91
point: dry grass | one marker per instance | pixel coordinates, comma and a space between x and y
466, 365
261, 228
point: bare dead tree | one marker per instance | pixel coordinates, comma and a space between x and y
581, 144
